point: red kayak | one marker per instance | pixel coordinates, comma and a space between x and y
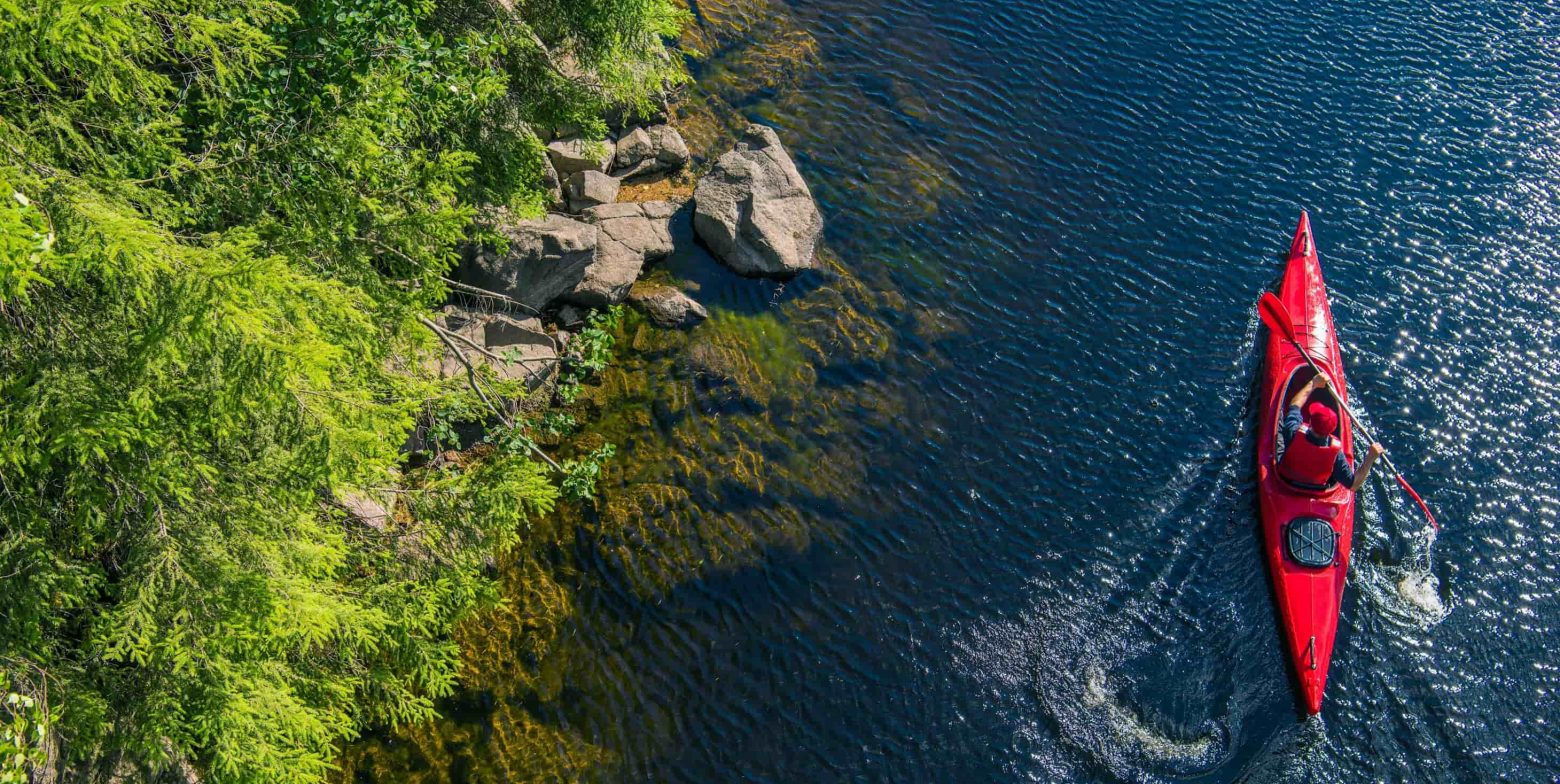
1306, 533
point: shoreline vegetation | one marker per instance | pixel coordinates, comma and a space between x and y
226, 234
332, 332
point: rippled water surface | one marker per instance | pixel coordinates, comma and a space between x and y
995, 521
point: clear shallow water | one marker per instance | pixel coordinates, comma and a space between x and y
1043, 565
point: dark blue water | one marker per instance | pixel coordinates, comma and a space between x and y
1048, 569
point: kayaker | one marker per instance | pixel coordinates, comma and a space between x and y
1317, 460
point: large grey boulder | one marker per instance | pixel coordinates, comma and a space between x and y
628, 237
590, 188
575, 154
546, 258
666, 306
650, 150
754, 210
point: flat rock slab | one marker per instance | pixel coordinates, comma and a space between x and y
629, 236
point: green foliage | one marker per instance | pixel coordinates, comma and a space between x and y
556, 424
590, 352
23, 728
592, 348
579, 476
219, 222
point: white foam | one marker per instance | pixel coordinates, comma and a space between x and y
1423, 591
1130, 728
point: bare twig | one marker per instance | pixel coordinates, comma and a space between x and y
476, 386
481, 292
442, 332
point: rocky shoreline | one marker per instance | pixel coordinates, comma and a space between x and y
752, 210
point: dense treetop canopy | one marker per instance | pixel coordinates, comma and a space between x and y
220, 222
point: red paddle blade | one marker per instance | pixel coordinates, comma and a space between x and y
1275, 315
1422, 505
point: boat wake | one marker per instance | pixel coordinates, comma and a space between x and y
1061, 682
1068, 672
1293, 754
1153, 745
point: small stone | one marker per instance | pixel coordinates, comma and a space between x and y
635, 146
652, 150
575, 154
571, 316
590, 188
671, 152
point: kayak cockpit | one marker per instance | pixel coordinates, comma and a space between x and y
1297, 379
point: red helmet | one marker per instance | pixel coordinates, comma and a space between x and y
1322, 420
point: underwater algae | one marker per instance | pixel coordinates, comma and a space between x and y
726, 435
721, 430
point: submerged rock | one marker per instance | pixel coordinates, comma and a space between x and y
755, 211
590, 188
652, 150
666, 306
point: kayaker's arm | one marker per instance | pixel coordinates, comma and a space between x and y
1317, 381
1363, 473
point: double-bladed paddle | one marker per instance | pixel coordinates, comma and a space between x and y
1276, 317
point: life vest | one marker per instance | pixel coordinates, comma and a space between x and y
1308, 464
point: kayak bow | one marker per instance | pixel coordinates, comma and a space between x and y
1306, 533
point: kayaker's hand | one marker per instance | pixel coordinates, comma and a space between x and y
1377, 450
1320, 381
